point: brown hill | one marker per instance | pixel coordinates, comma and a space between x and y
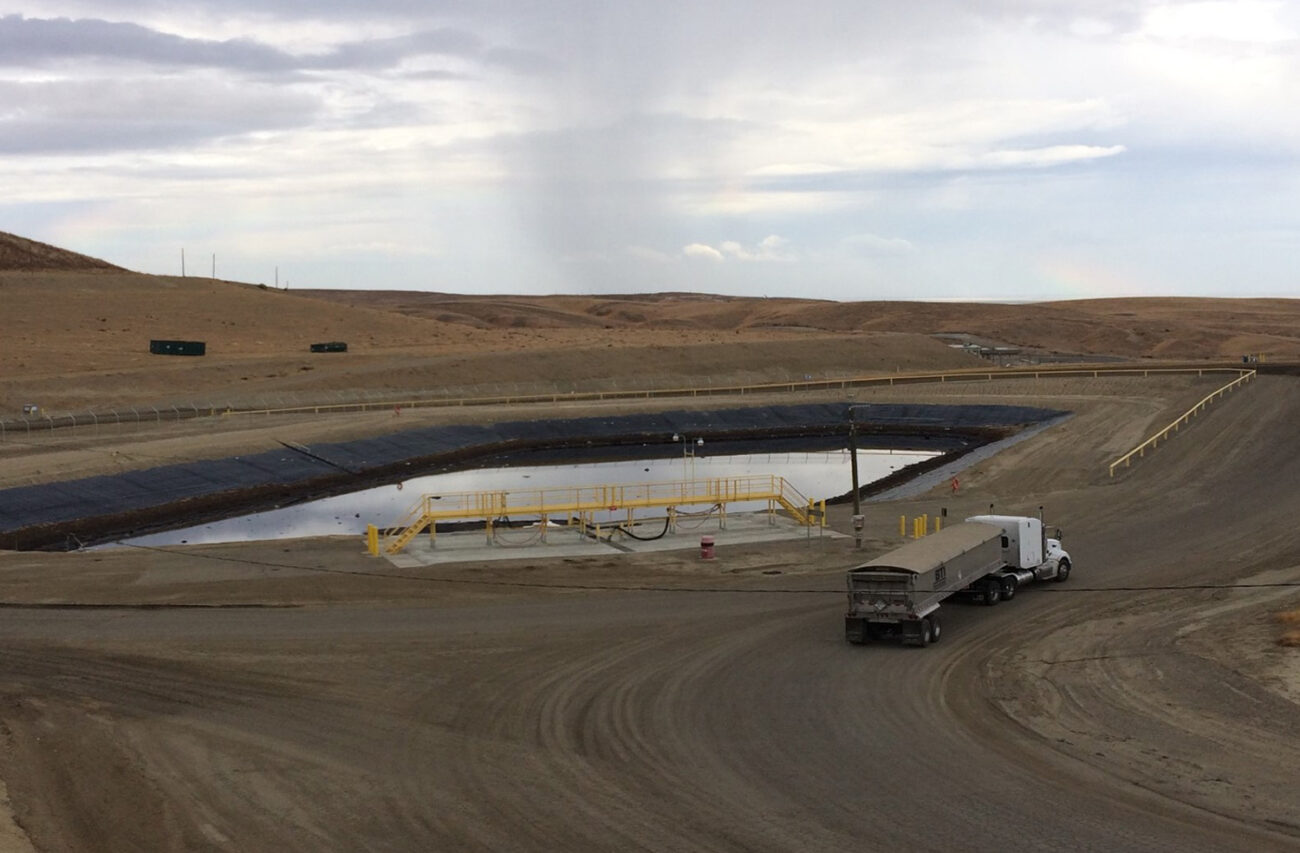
79, 338
19, 253
1166, 328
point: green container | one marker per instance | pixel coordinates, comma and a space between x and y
178, 347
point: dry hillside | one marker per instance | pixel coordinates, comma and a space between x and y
77, 334
18, 253
1166, 328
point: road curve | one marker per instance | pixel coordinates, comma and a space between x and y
1076, 717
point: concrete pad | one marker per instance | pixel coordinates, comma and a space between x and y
526, 542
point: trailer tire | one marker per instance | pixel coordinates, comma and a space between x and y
992, 592
927, 633
936, 629
1009, 587
1062, 571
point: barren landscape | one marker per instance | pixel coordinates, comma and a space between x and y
302, 695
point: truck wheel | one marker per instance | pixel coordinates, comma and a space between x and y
1062, 571
992, 592
936, 629
927, 632
1009, 586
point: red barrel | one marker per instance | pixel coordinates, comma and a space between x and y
706, 547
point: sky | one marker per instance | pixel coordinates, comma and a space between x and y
1001, 150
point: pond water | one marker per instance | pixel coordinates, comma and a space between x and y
816, 474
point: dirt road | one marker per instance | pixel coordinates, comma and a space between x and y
715, 708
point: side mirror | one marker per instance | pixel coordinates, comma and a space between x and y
1059, 535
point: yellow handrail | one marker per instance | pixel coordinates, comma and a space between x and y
1140, 450
582, 500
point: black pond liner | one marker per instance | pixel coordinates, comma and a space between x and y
92, 510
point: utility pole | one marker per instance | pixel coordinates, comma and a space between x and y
859, 522
182, 263
853, 462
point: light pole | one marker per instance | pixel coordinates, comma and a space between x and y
688, 450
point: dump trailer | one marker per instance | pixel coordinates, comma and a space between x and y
986, 557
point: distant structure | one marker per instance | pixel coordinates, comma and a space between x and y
178, 347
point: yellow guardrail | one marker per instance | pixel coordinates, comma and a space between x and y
964, 375
1154, 440
585, 501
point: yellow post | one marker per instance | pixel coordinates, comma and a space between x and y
925, 523
823, 512
372, 540
902, 527
938, 524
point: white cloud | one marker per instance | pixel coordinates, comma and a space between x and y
1053, 155
874, 244
571, 145
1239, 21
644, 253
701, 250
770, 248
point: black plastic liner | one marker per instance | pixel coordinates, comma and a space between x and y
96, 509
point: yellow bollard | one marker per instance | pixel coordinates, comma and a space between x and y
902, 527
372, 540
938, 524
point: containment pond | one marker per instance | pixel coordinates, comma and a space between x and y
818, 475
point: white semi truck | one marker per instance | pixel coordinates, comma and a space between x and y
986, 557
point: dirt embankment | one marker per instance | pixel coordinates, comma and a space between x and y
316, 698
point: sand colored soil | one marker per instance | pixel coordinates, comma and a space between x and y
78, 340
302, 695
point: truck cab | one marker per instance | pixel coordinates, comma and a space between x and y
1028, 554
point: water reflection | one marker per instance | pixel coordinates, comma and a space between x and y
817, 475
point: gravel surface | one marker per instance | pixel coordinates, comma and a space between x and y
302, 696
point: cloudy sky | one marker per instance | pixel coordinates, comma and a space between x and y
846, 149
